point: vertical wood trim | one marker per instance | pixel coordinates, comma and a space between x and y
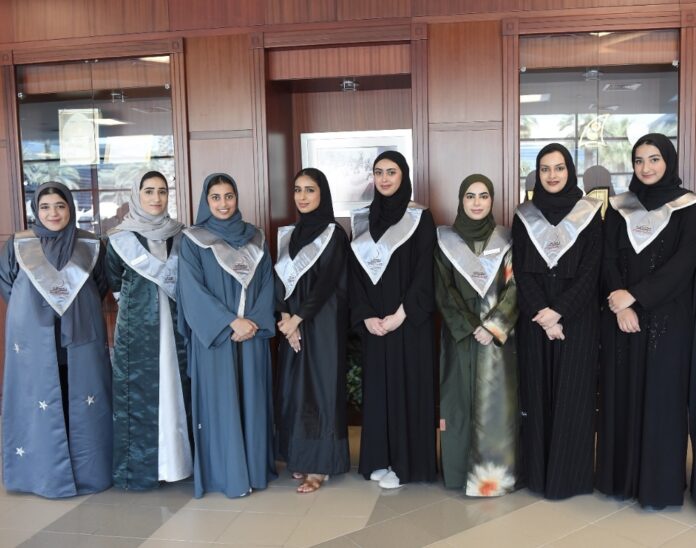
419, 107
258, 128
687, 107
511, 123
13, 149
181, 148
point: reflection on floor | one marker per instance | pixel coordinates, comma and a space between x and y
348, 512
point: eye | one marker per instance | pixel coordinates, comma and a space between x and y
377, 172
310, 190
561, 168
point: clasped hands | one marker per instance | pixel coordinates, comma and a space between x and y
382, 326
548, 319
289, 326
620, 302
243, 329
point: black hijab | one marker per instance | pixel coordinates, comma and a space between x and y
556, 206
469, 229
312, 224
234, 230
386, 211
666, 189
57, 245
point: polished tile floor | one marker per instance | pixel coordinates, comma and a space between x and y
347, 512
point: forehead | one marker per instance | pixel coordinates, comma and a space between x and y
646, 151
221, 188
305, 180
476, 188
552, 159
386, 164
154, 182
51, 199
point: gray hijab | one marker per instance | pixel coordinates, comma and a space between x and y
152, 227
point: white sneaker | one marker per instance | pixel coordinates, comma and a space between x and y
377, 475
390, 481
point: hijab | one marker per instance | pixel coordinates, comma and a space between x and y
152, 227
57, 245
469, 229
312, 224
234, 231
666, 189
386, 211
555, 206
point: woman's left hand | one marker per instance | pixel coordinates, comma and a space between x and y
288, 326
546, 318
394, 321
483, 336
620, 300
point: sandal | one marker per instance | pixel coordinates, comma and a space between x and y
298, 475
311, 483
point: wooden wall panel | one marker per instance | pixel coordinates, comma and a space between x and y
218, 83
6, 19
341, 61
210, 14
687, 108
453, 7
299, 11
419, 110
54, 79
50, 19
464, 72
369, 9
453, 156
130, 16
534, 5
130, 73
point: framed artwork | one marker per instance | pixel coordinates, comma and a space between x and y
346, 158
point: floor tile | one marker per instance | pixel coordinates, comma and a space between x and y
683, 540
343, 502
590, 507
195, 525
410, 497
73, 540
109, 520
161, 543
281, 501
399, 532
253, 529
647, 528
447, 517
594, 536
341, 542
218, 501
312, 530
12, 537
33, 514
381, 512
685, 514
172, 495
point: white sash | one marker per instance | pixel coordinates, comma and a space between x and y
552, 242
291, 270
374, 256
479, 270
644, 226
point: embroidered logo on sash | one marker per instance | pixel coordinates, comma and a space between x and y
59, 290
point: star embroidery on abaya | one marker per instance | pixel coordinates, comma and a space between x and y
90, 400
43, 405
16, 348
20, 451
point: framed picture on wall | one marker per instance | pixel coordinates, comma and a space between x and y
346, 158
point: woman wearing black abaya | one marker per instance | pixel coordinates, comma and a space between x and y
392, 300
648, 270
556, 259
311, 296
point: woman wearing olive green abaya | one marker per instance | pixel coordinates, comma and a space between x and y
476, 294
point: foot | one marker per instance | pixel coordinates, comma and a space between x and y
311, 483
298, 475
377, 475
390, 481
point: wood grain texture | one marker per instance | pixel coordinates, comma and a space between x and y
511, 128
339, 61
211, 14
453, 7
51, 19
419, 114
299, 11
371, 31
180, 133
218, 73
6, 20
369, 9
687, 108
258, 127
648, 17
54, 78
130, 16
464, 72
130, 73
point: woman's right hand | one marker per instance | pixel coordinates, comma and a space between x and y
555, 332
243, 329
374, 326
628, 321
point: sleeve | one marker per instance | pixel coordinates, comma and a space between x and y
502, 317
530, 296
204, 314
611, 277
332, 264
9, 268
360, 306
419, 300
672, 278
261, 311
99, 272
583, 289
459, 319
115, 268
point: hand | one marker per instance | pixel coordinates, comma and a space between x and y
294, 340
546, 317
628, 321
394, 321
555, 332
483, 336
374, 326
620, 300
288, 325
243, 329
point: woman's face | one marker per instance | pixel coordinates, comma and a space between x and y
222, 201
477, 201
307, 194
648, 164
387, 176
54, 212
154, 196
553, 172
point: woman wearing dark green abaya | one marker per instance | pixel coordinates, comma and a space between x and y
476, 294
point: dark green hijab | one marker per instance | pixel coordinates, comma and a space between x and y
468, 229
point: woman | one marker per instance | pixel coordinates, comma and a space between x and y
556, 258
225, 292
648, 270
151, 389
311, 286
392, 302
476, 294
56, 408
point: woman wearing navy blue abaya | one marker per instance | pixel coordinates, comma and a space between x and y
225, 292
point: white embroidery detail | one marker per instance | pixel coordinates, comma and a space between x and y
43, 405
90, 400
20, 451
